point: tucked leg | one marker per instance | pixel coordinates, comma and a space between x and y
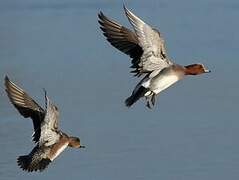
153, 99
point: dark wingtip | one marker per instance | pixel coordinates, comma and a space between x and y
23, 162
101, 19
101, 16
45, 92
45, 95
102, 24
124, 6
6, 83
6, 78
100, 13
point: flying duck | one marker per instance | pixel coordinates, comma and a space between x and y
49, 139
145, 45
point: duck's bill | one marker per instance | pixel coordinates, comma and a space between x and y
207, 71
82, 147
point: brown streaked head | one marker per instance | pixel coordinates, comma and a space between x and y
75, 142
195, 69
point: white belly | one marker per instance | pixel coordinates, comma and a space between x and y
162, 82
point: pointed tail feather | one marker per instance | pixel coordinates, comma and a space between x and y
43, 164
136, 96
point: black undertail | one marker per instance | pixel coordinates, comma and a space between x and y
136, 96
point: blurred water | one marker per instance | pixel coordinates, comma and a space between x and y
192, 133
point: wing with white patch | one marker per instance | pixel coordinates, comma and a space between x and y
49, 129
154, 53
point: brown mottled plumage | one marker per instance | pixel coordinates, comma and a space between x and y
50, 141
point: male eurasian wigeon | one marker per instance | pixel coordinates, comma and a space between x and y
50, 140
146, 48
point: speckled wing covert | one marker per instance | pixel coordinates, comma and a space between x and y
26, 106
49, 129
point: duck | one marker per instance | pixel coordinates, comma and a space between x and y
146, 48
49, 140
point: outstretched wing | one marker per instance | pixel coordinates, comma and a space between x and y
49, 129
121, 38
154, 54
26, 106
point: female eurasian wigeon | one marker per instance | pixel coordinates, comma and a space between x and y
146, 48
50, 141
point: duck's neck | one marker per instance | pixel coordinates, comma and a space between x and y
71, 142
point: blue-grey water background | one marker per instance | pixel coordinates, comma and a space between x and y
191, 134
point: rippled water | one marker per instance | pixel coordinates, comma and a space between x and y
192, 133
